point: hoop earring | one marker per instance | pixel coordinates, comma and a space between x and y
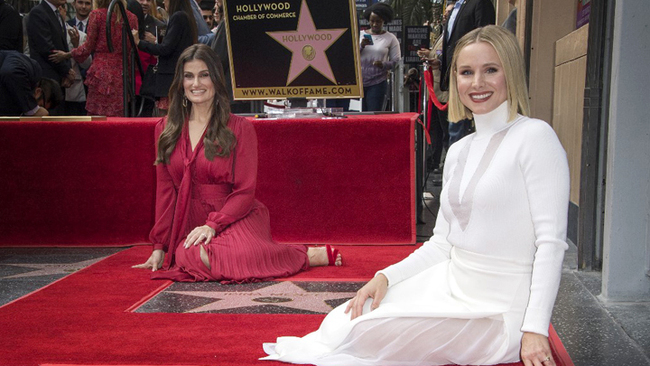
184, 101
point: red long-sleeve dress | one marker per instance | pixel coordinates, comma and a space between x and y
104, 77
193, 191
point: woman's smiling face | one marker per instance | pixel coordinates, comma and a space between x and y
197, 83
480, 78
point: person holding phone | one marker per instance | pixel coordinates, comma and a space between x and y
380, 52
152, 21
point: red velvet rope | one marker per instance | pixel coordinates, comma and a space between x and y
428, 78
427, 135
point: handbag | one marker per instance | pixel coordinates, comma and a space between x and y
148, 87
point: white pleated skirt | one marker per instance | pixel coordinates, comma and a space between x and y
467, 311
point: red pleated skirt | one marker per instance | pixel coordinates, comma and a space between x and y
243, 252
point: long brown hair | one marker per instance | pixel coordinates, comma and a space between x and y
186, 8
219, 139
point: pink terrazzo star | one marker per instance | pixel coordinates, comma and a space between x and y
46, 269
308, 46
291, 296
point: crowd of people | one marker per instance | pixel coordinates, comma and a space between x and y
91, 77
69, 47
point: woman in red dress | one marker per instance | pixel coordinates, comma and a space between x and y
207, 218
104, 77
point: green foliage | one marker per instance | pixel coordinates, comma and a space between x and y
414, 12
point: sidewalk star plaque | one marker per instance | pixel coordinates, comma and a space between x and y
293, 49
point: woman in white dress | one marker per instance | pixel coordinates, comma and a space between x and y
481, 290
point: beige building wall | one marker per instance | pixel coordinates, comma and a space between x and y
551, 20
503, 9
568, 99
557, 75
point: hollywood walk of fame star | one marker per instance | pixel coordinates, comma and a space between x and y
284, 293
308, 45
46, 269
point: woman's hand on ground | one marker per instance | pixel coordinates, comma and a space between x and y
535, 350
154, 262
198, 235
375, 288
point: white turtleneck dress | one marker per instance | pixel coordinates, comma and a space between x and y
490, 271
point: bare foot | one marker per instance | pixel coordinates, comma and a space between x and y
318, 257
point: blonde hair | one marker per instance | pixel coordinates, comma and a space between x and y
153, 11
506, 46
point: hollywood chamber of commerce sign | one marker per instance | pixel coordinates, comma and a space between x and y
293, 48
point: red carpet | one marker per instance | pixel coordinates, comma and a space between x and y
83, 319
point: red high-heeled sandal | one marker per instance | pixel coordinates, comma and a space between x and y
331, 255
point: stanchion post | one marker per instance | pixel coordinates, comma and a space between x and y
421, 161
419, 176
396, 88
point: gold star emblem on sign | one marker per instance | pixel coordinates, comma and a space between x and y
308, 52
